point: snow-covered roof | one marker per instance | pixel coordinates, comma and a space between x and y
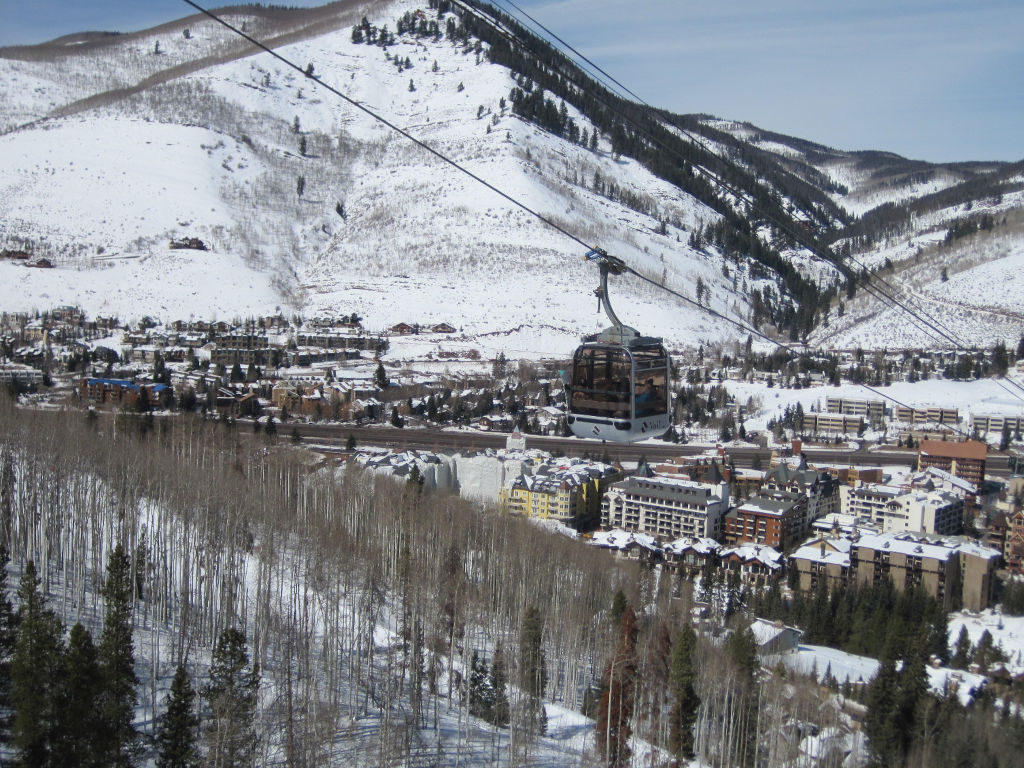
946, 477
768, 556
701, 545
764, 631
825, 551
620, 539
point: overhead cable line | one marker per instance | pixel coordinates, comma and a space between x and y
785, 225
919, 316
318, 81
441, 156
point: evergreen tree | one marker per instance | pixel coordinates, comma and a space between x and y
685, 701
8, 639
481, 697
613, 725
533, 674
176, 733
118, 745
880, 722
35, 672
78, 719
498, 681
380, 377
230, 696
619, 604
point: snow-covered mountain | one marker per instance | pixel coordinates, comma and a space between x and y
112, 146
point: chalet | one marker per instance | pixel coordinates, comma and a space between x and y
755, 564
402, 329
40, 263
15, 255
442, 328
689, 556
500, 422
237, 402
628, 544
68, 314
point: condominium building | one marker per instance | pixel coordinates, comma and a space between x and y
568, 492
964, 459
867, 502
891, 508
665, 507
832, 423
951, 569
872, 410
996, 424
933, 414
933, 565
773, 518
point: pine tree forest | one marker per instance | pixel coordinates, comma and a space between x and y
234, 606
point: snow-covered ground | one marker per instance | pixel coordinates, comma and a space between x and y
1007, 632
214, 154
845, 667
983, 396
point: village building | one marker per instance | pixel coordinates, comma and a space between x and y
1013, 546
125, 393
630, 545
690, 556
666, 507
953, 570
965, 459
820, 488
567, 490
775, 518
929, 415
754, 564
872, 410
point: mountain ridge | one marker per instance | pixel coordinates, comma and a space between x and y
667, 237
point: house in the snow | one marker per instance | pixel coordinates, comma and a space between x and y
689, 556
774, 637
628, 544
755, 564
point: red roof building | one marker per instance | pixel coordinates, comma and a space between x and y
964, 459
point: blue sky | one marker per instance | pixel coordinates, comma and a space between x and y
928, 79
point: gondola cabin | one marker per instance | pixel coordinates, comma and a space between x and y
619, 389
